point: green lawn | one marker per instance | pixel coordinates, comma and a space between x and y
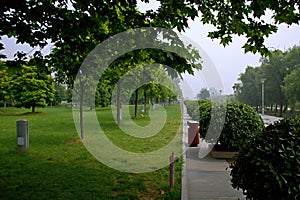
58, 166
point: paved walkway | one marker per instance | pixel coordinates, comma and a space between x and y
205, 178
270, 119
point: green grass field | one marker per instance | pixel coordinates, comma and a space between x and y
58, 166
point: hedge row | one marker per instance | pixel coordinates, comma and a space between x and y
268, 163
268, 166
238, 121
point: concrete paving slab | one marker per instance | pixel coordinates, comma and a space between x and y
270, 119
208, 178
205, 164
205, 178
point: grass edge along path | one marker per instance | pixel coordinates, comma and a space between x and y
57, 165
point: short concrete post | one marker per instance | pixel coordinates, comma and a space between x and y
22, 135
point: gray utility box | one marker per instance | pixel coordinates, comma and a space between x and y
22, 135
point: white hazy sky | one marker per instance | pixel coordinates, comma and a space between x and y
229, 61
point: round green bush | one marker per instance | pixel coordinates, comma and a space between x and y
268, 166
204, 109
192, 109
241, 123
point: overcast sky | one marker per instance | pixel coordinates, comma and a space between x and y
231, 60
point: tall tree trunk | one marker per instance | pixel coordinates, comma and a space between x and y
151, 99
136, 103
281, 106
286, 106
4, 104
271, 107
118, 104
33, 108
81, 109
145, 101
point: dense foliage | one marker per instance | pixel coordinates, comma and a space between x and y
281, 72
31, 89
267, 167
192, 107
36, 21
4, 85
204, 94
241, 123
74, 28
291, 88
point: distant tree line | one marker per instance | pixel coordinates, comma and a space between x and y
29, 86
206, 93
76, 27
281, 72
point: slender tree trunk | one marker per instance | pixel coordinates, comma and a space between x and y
136, 103
281, 106
145, 102
81, 109
286, 106
118, 105
272, 108
33, 108
151, 99
4, 104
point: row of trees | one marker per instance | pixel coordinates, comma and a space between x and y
281, 72
27, 86
76, 27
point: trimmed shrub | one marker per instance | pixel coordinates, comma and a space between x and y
268, 166
241, 123
204, 116
192, 109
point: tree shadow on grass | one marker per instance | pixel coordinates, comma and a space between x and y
11, 112
29, 113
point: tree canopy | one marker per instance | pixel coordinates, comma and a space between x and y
281, 72
74, 28
203, 94
34, 22
248, 90
291, 88
31, 89
4, 84
248, 18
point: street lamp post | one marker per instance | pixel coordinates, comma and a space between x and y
262, 96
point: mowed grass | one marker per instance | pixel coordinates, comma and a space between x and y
137, 144
58, 166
